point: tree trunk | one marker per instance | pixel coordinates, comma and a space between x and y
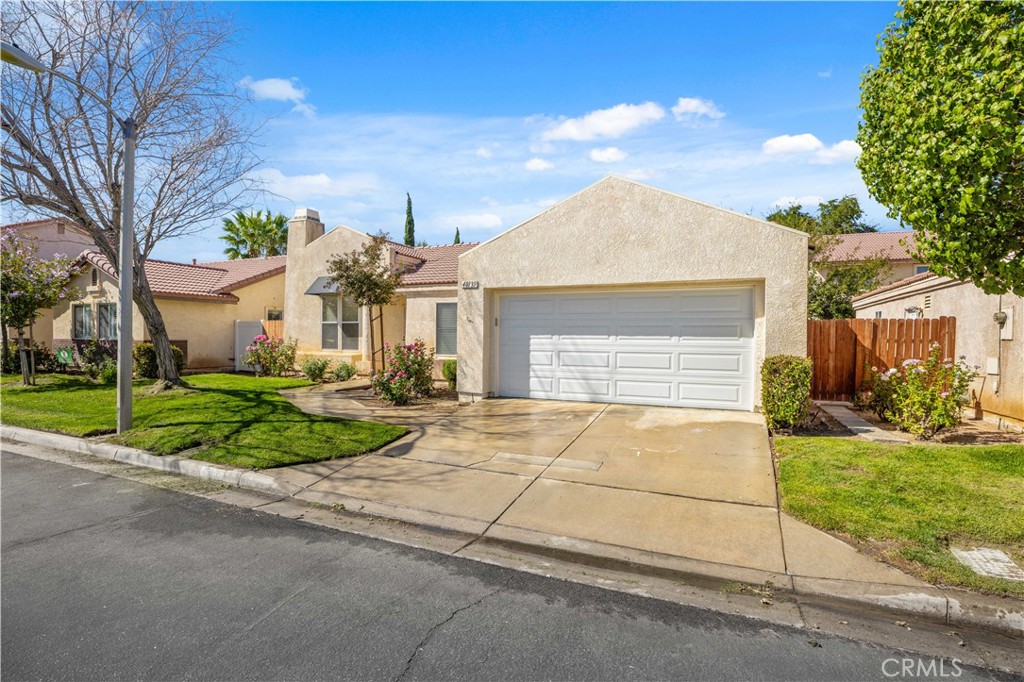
23, 357
32, 353
373, 345
167, 371
7, 349
380, 312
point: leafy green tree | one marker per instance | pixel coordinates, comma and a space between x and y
255, 235
410, 224
458, 239
942, 136
832, 284
29, 285
367, 277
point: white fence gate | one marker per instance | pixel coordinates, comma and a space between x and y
245, 332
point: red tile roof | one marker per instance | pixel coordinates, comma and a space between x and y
205, 281
864, 245
440, 264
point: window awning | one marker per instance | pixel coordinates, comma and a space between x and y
322, 285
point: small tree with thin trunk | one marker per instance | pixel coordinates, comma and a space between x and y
367, 277
27, 286
410, 223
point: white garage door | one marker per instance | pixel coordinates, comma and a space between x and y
682, 347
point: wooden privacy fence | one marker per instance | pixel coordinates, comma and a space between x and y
274, 328
843, 349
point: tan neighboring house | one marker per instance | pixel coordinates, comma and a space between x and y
989, 334
52, 237
894, 247
200, 304
326, 323
622, 293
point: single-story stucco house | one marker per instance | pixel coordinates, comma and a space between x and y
621, 293
199, 302
896, 247
989, 334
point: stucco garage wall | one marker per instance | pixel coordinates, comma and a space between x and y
618, 233
977, 335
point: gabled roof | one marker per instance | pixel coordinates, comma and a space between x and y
865, 245
440, 264
205, 281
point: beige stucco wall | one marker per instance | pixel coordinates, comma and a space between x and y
898, 271
208, 327
310, 250
999, 396
421, 317
619, 233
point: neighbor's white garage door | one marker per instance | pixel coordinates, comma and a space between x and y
682, 347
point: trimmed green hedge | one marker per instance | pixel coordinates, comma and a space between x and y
786, 390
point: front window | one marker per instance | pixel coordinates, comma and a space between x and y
274, 315
107, 318
339, 323
447, 327
919, 269
81, 322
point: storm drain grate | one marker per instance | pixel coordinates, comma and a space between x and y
991, 562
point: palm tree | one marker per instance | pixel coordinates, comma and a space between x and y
254, 235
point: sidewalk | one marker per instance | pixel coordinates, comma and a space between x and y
582, 506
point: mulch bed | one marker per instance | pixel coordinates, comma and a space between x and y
442, 399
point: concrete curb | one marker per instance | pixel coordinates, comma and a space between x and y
951, 606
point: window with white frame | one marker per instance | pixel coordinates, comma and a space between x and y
81, 322
339, 323
106, 319
446, 321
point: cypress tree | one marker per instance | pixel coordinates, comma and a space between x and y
410, 224
458, 240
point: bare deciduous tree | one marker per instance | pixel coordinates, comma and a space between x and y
160, 63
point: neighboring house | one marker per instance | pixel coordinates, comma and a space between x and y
325, 323
621, 293
997, 348
199, 304
894, 247
51, 237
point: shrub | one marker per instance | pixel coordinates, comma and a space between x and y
270, 357
343, 371
144, 356
786, 390
450, 371
45, 359
107, 372
93, 353
407, 372
925, 396
314, 369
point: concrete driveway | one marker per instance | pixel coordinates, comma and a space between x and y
672, 487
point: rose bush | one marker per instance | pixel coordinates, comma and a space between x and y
270, 357
408, 372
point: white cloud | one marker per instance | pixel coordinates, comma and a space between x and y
538, 164
280, 90
791, 144
827, 73
484, 152
692, 110
607, 155
299, 188
809, 200
606, 123
846, 150
474, 221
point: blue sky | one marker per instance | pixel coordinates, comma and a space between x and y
488, 113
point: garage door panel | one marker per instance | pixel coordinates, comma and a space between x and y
643, 361
643, 390
573, 359
682, 347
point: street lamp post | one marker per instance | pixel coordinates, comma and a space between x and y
14, 55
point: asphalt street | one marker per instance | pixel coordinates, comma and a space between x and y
109, 579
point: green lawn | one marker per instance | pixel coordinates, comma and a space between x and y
911, 502
235, 419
